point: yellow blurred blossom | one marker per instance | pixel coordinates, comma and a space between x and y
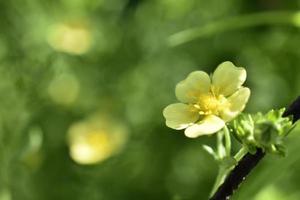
72, 38
208, 102
96, 139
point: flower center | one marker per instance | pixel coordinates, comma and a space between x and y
208, 104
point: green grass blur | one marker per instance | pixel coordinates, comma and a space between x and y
63, 62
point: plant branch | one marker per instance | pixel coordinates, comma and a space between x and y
249, 161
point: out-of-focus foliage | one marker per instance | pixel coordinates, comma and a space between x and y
64, 61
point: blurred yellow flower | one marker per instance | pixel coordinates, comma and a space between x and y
95, 140
72, 38
208, 102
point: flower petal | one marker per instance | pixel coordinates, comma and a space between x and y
188, 90
237, 103
209, 125
179, 116
228, 78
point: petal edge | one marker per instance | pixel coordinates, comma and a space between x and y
179, 116
188, 90
228, 78
237, 103
209, 125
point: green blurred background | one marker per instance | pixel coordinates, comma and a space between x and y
83, 84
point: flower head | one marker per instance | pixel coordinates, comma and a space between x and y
207, 103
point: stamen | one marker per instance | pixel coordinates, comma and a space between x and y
210, 104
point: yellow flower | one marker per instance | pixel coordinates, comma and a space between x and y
73, 38
208, 102
94, 140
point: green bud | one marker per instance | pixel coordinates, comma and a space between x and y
266, 133
243, 126
262, 131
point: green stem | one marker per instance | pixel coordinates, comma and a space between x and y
227, 141
240, 154
222, 174
224, 152
237, 22
220, 146
225, 169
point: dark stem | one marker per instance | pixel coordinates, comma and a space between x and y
293, 110
249, 161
